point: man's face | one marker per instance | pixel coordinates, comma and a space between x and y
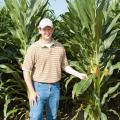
46, 32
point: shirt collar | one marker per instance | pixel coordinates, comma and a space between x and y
53, 43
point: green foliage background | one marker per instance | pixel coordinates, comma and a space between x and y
90, 32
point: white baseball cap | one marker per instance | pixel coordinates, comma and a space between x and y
45, 22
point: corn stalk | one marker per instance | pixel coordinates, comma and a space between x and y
89, 32
23, 17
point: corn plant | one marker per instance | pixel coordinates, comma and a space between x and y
89, 32
23, 16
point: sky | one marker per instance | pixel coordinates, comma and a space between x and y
59, 6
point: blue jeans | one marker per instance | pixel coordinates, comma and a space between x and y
49, 96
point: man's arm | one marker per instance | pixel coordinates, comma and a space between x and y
71, 71
27, 78
32, 94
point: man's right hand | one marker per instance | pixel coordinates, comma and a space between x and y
33, 95
33, 98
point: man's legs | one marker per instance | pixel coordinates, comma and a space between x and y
53, 102
36, 111
49, 93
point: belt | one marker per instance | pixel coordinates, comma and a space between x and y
47, 83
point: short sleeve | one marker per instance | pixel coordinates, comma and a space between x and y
29, 60
64, 60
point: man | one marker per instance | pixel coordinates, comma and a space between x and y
42, 72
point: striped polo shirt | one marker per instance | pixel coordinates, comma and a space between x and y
45, 63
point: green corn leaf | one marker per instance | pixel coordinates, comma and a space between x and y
110, 39
6, 69
115, 113
68, 81
7, 101
11, 112
113, 67
81, 87
74, 90
113, 96
6, 112
86, 112
113, 23
76, 64
110, 91
34, 10
98, 28
103, 116
8, 42
3, 34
